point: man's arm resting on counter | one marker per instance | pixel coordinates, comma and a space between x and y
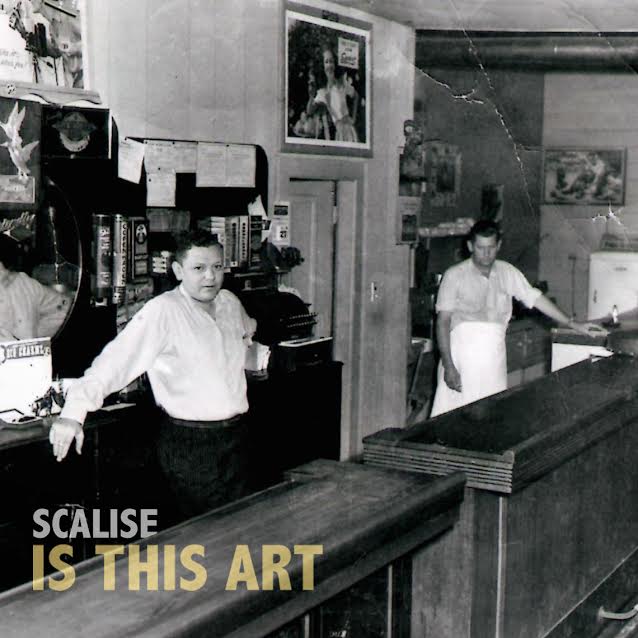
552, 311
452, 377
62, 434
127, 356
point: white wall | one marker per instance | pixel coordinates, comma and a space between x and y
593, 110
198, 69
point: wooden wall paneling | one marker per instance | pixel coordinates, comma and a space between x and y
229, 90
126, 63
442, 580
263, 76
571, 518
98, 13
385, 336
167, 69
400, 71
202, 69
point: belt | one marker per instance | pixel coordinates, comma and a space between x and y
185, 423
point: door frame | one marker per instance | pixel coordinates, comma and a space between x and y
350, 176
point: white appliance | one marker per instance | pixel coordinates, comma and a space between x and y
613, 281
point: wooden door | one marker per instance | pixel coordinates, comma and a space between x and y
312, 231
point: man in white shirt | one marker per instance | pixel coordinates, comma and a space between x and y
474, 306
28, 309
192, 342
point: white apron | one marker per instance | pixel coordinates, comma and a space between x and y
478, 352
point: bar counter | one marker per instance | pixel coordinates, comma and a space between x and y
364, 518
549, 526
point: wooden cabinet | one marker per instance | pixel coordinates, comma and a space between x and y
548, 528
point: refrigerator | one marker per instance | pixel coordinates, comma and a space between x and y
613, 281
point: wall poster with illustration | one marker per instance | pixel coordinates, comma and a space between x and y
327, 79
584, 176
42, 43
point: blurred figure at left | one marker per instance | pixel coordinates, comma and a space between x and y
28, 309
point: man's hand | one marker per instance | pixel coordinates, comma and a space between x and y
452, 377
62, 433
588, 329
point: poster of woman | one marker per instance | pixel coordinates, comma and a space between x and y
327, 92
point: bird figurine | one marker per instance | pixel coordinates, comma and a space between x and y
18, 153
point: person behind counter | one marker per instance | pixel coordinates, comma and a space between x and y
474, 306
192, 342
28, 309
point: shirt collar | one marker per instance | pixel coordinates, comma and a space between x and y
191, 302
477, 272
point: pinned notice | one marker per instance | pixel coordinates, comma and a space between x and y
160, 189
130, 159
224, 165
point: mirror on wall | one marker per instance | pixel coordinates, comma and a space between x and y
40, 267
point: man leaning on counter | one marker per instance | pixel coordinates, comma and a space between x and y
192, 342
474, 306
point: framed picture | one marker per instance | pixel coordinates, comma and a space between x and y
327, 101
443, 171
20, 154
44, 47
584, 176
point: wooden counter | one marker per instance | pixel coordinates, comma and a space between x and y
549, 526
364, 518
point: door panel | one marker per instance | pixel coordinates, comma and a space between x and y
312, 232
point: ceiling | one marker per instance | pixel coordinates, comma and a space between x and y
506, 15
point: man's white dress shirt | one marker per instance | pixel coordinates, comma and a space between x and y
195, 363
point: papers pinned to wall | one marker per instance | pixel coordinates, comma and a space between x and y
129, 160
170, 156
225, 165
160, 189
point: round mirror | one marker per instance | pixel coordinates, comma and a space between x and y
40, 266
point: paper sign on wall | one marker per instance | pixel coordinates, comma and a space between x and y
280, 224
223, 165
25, 375
160, 189
129, 160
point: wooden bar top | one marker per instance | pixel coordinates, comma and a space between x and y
506, 440
364, 518
14, 435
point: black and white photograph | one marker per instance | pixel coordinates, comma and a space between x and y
584, 176
319, 319
328, 71
42, 42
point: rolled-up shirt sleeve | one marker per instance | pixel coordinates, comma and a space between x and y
131, 353
518, 286
447, 293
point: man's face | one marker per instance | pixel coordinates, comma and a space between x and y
201, 272
484, 250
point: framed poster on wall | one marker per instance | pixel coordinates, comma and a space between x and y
584, 176
327, 92
43, 48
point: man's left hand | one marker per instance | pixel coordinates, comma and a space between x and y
588, 329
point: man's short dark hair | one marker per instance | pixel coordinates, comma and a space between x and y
485, 228
187, 239
10, 253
